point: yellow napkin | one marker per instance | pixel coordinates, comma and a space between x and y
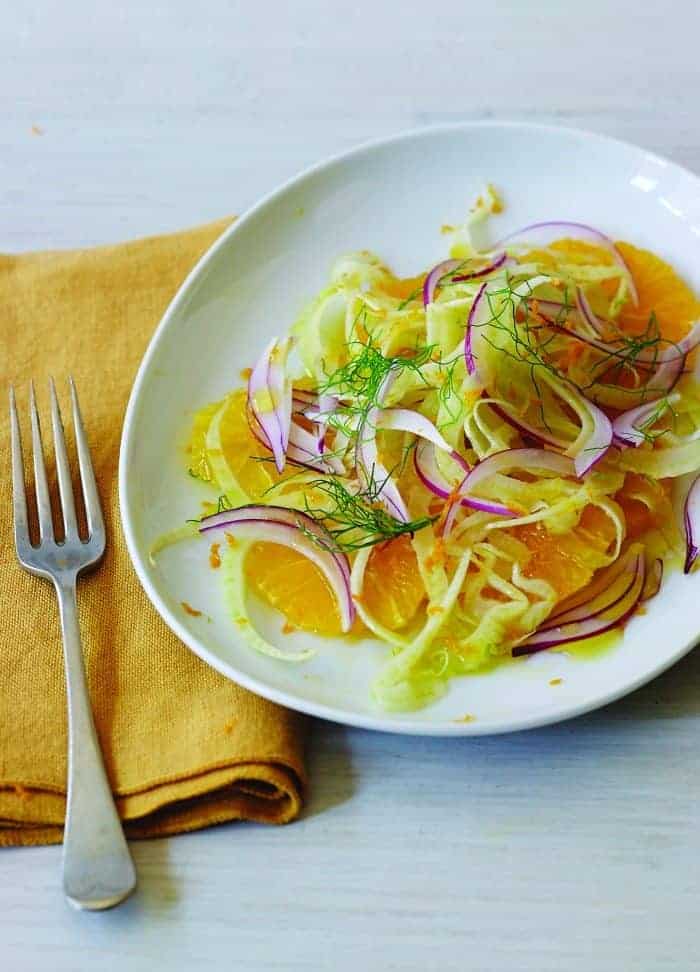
184, 747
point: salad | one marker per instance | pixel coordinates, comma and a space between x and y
471, 465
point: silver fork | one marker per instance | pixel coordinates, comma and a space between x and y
98, 871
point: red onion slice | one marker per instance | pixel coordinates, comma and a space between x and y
595, 446
270, 398
408, 420
435, 276
648, 359
612, 617
527, 460
542, 234
523, 459
691, 519
628, 428
586, 312
495, 264
478, 316
556, 307
525, 428
618, 584
600, 583
370, 471
430, 475
305, 449
300, 532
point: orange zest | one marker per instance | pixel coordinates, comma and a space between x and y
188, 609
214, 556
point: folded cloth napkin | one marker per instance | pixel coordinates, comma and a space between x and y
184, 747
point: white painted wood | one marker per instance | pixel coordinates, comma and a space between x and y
569, 849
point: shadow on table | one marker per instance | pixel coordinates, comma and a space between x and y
674, 694
330, 766
570, 754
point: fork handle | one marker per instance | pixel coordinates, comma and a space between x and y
98, 871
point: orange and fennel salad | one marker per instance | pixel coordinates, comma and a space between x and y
472, 464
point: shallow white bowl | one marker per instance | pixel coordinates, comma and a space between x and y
391, 197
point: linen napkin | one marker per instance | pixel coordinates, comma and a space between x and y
184, 747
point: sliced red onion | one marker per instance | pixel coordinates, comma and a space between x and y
618, 584
255, 427
600, 583
652, 584
588, 627
435, 276
300, 532
495, 264
592, 450
542, 234
586, 312
525, 428
524, 459
527, 460
306, 449
628, 428
371, 473
556, 307
649, 358
408, 420
478, 315
430, 475
482, 505
270, 398
691, 518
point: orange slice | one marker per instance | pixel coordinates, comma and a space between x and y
639, 518
294, 585
393, 590
567, 561
401, 288
661, 291
243, 458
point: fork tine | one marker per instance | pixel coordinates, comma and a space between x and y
65, 486
43, 503
19, 497
91, 497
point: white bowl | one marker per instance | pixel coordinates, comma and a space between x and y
391, 197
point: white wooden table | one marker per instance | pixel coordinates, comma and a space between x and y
570, 849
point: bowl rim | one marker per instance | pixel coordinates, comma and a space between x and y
379, 722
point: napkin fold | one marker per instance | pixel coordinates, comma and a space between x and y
184, 747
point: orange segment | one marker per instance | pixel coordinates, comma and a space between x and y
639, 518
294, 585
567, 561
393, 590
661, 291
248, 460
401, 288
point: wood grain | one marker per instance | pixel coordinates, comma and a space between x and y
567, 849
